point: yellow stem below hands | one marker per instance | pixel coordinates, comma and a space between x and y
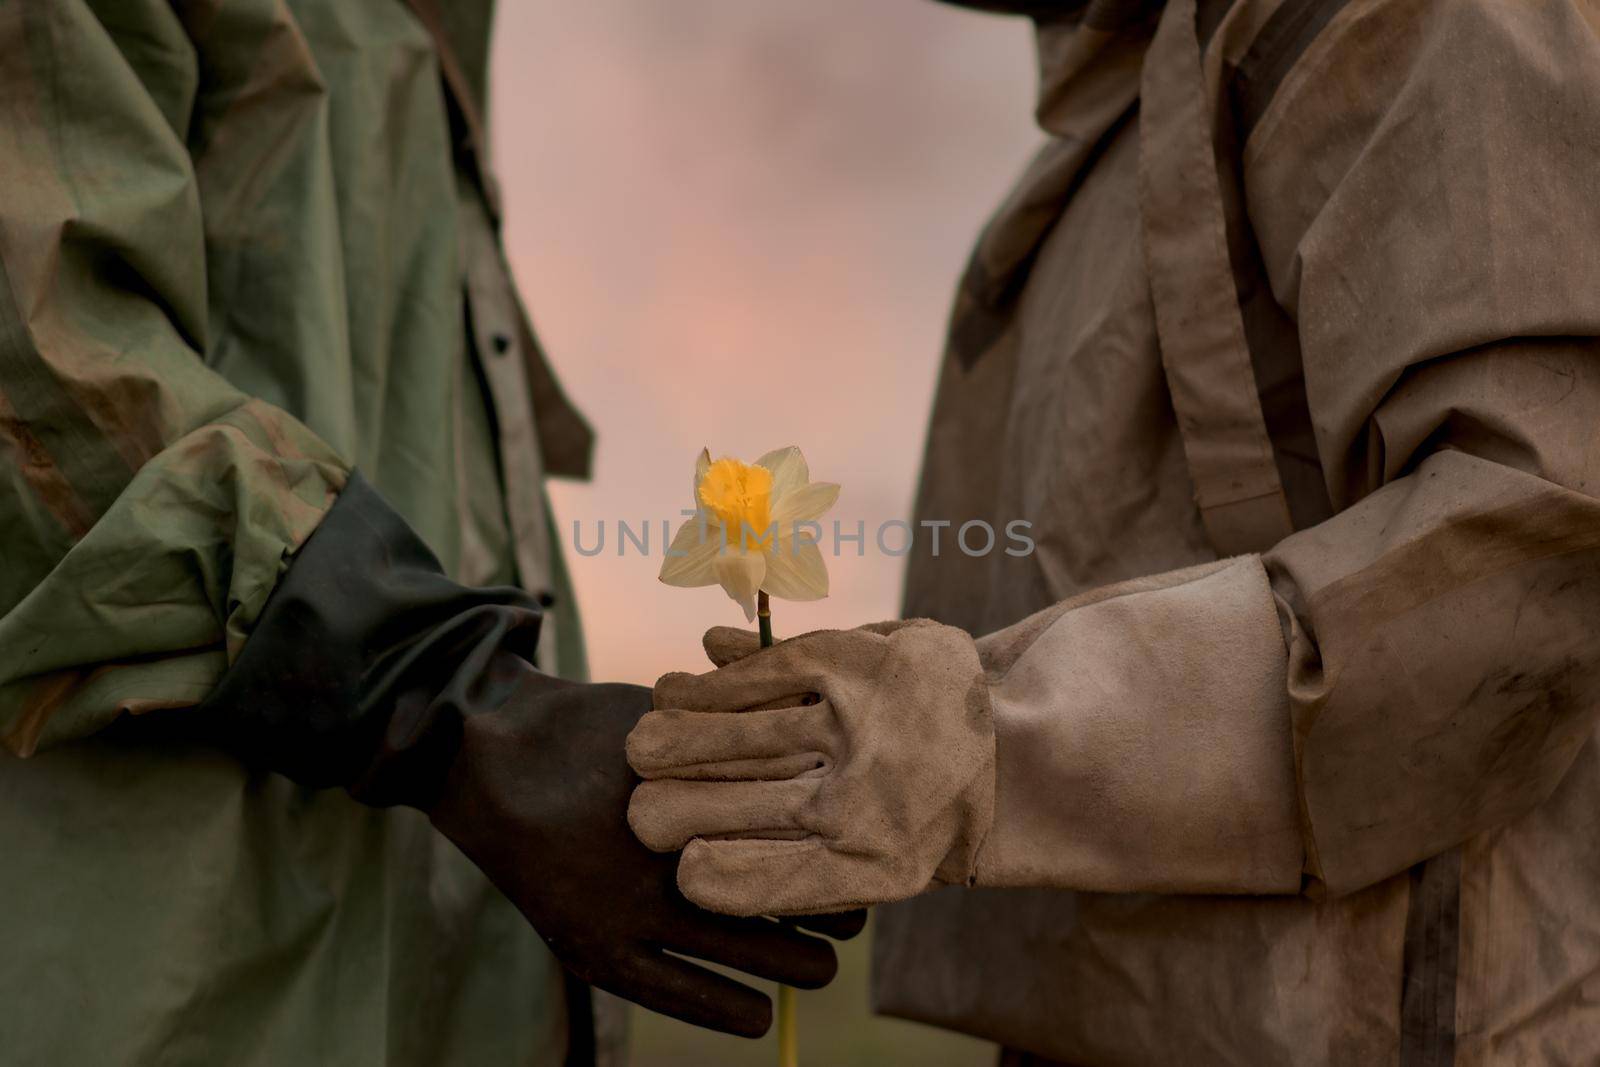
788, 1029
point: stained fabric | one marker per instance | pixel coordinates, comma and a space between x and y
1432, 959
1199, 323
1410, 198
235, 268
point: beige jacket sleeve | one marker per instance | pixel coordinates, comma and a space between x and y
1425, 188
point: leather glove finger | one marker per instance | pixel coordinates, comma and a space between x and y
729, 644
789, 669
764, 876
666, 815
766, 744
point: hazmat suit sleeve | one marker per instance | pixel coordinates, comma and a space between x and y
1425, 664
147, 507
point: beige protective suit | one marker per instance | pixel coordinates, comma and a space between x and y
1285, 345
1400, 242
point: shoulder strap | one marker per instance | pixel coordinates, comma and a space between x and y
1198, 322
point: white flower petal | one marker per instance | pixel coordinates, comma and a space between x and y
806, 503
741, 574
788, 467
796, 571
690, 556
702, 463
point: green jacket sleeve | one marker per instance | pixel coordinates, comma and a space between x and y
147, 507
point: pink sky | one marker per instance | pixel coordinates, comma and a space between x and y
738, 223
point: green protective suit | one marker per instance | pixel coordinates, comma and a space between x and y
244, 249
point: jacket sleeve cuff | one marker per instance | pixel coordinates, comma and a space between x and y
1143, 741
366, 657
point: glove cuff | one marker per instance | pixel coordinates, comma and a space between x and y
975, 804
366, 658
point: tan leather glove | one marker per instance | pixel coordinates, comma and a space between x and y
834, 770
1140, 743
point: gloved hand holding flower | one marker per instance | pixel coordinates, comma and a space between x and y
1080, 748
833, 770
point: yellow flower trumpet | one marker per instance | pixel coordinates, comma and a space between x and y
754, 530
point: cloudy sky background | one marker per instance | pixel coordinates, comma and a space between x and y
738, 223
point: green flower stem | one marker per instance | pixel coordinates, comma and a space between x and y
788, 1026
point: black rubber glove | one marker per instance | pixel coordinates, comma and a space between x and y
542, 771
371, 670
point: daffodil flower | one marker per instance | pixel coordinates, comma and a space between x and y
746, 537
749, 532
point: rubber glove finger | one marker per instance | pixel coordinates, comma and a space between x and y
690, 993
841, 925
760, 947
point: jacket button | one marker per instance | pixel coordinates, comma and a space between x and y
501, 343
546, 599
